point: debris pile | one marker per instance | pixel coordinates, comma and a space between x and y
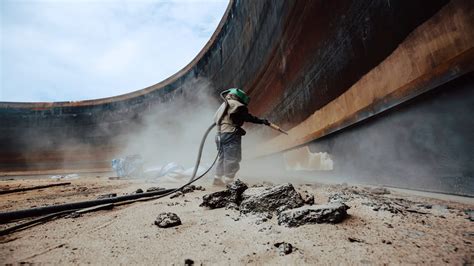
167, 219
329, 213
281, 199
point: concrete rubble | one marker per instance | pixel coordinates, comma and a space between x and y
328, 213
167, 219
281, 199
230, 197
270, 199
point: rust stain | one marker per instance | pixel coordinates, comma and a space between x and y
436, 52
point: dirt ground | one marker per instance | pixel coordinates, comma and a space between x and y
396, 228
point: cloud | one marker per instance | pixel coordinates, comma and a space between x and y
75, 50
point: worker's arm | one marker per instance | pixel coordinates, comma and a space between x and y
243, 115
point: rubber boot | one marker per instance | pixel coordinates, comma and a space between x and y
218, 182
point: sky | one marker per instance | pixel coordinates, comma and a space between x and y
69, 50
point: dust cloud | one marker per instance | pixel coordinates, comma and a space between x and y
172, 130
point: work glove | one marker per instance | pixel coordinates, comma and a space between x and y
265, 122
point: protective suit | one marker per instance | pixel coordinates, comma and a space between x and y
230, 138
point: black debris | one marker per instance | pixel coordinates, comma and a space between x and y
284, 248
352, 240
229, 197
269, 199
167, 219
139, 191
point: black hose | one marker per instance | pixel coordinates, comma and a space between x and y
6, 217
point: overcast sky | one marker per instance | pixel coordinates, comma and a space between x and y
61, 50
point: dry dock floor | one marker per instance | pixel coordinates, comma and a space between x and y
395, 228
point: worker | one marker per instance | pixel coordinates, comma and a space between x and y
229, 139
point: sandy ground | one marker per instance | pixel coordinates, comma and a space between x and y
127, 234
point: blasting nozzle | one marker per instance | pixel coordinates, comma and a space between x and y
277, 128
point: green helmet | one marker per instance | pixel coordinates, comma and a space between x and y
241, 94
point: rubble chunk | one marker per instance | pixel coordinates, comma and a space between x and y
284, 248
139, 191
167, 219
269, 199
232, 196
218, 199
328, 213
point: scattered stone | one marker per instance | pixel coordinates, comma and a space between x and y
106, 196
353, 239
188, 189
220, 199
139, 191
269, 199
167, 219
309, 200
200, 188
329, 213
188, 262
153, 189
284, 248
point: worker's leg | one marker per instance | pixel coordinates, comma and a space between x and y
220, 160
220, 165
232, 155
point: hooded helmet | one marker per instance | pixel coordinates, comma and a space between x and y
240, 94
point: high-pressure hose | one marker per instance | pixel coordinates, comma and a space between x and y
203, 140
